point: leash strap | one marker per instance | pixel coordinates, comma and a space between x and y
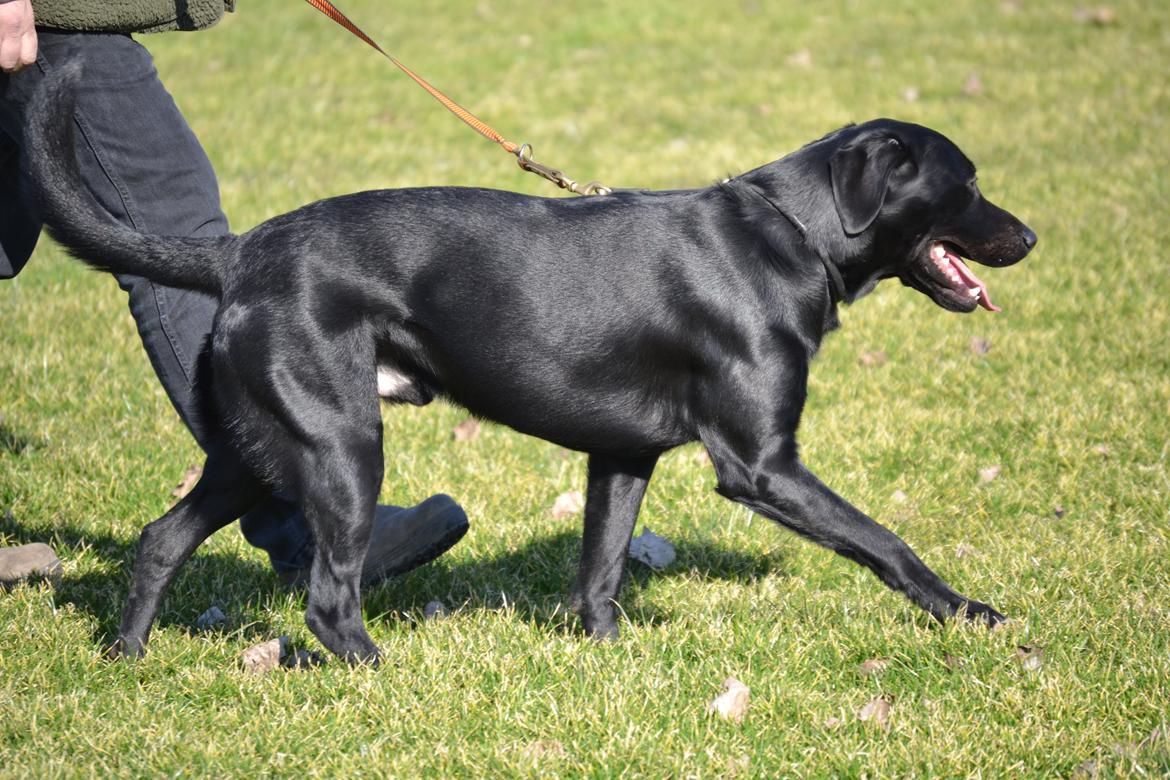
523, 152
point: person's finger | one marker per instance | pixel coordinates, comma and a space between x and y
28, 48
16, 22
9, 54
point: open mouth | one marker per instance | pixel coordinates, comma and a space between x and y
953, 280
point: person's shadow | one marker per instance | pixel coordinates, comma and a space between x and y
533, 580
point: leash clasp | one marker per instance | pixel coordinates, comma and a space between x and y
557, 177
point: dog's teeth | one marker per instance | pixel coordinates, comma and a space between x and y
974, 291
938, 251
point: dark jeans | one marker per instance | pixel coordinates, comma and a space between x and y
146, 167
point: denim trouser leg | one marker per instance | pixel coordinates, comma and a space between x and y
145, 166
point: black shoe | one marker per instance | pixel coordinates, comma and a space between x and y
403, 539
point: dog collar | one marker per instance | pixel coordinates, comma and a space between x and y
833, 274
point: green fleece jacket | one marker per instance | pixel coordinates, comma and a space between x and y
129, 15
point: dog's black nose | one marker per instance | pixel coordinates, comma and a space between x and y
1029, 237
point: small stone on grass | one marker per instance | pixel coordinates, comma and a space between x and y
266, 656
210, 619
652, 550
302, 659
1031, 657
434, 610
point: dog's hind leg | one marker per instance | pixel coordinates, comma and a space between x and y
225, 491
339, 494
616, 487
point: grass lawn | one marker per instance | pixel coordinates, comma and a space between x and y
1067, 115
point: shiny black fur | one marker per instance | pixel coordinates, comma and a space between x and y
620, 326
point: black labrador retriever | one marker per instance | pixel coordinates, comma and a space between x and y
621, 326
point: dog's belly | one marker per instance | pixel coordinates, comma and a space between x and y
590, 421
601, 418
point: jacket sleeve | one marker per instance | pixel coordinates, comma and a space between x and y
129, 16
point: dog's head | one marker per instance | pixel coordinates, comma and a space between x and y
912, 195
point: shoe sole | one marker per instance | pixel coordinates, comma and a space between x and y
445, 543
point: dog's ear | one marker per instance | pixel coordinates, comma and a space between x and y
860, 172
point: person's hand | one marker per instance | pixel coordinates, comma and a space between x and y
18, 36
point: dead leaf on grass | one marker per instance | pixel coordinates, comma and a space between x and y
1058, 511
965, 550
702, 457
732, 704
876, 358
1101, 16
190, 478
466, 430
540, 749
873, 666
1087, 769
899, 496
876, 710
954, 662
800, 59
980, 346
1159, 734
989, 474
910, 94
568, 503
973, 86
1101, 449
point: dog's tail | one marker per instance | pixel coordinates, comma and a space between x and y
76, 220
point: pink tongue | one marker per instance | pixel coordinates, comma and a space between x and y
971, 280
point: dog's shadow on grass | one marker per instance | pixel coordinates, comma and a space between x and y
13, 442
209, 578
533, 580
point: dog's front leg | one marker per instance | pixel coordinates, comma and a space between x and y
614, 495
772, 481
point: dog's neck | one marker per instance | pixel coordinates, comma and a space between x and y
794, 187
837, 291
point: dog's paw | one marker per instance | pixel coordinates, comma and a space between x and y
372, 659
978, 612
600, 623
603, 633
126, 649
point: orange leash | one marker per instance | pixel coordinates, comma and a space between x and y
523, 152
